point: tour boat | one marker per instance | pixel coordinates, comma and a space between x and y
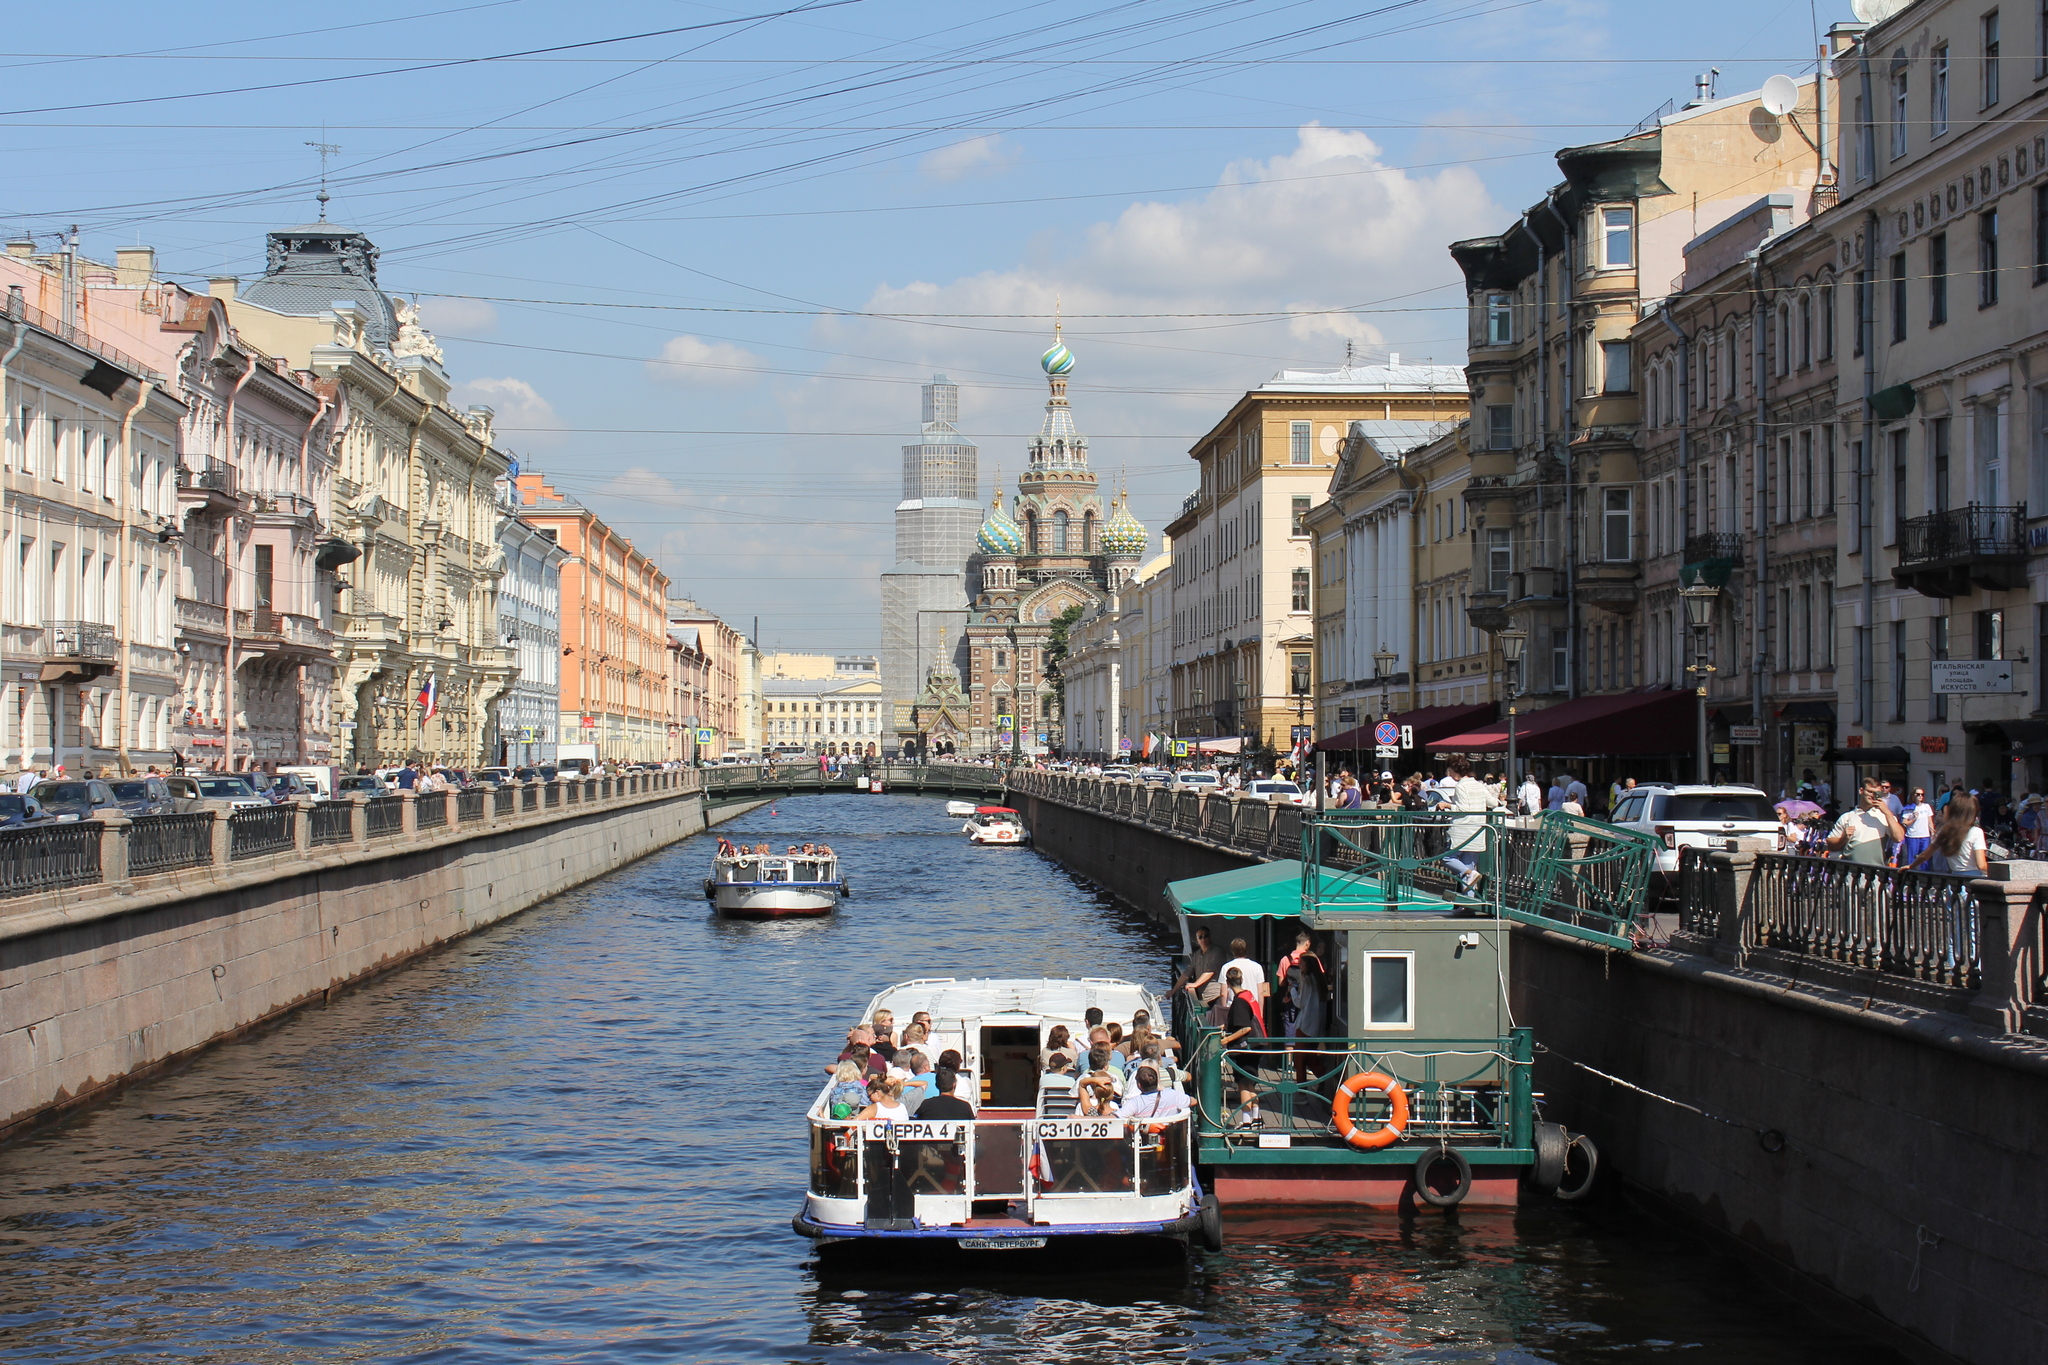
959, 809
1027, 1172
758, 885
996, 825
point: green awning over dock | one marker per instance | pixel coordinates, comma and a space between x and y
1265, 891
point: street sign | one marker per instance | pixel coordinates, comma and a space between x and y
1387, 751
1972, 675
706, 736
1177, 749
1347, 715
1386, 732
1301, 734
1124, 745
1745, 734
1407, 736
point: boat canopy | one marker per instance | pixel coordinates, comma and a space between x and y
995, 810
1265, 891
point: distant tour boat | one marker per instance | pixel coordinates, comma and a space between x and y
752, 883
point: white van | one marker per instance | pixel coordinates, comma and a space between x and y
320, 778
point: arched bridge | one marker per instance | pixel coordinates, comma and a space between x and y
725, 786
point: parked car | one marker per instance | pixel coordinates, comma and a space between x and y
1701, 816
1276, 792
19, 810
214, 791
493, 777
80, 799
369, 784
319, 778
278, 787
1194, 781
143, 796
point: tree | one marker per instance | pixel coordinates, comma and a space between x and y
1056, 651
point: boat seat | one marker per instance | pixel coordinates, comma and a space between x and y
1057, 1097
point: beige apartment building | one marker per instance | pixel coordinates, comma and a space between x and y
1941, 244
709, 673
1557, 486
1244, 624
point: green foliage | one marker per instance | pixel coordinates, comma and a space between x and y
1056, 651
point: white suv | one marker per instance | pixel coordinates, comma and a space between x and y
1277, 792
1703, 816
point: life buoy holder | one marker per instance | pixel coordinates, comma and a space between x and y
1397, 1121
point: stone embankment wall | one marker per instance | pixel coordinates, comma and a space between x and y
1908, 1194
104, 984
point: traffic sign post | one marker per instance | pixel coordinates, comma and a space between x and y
1386, 733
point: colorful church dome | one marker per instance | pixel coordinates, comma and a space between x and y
1058, 360
1125, 537
1000, 535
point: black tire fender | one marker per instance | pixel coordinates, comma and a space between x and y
1428, 1162
710, 889
1591, 1154
845, 889
1552, 1144
1211, 1214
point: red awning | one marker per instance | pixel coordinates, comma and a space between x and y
1626, 723
1429, 723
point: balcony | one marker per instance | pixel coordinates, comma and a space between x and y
202, 618
288, 509
1615, 584
208, 488
1723, 545
1953, 553
77, 650
267, 631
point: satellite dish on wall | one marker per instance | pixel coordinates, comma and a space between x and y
1780, 95
1877, 11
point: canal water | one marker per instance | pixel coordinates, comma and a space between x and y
575, 1137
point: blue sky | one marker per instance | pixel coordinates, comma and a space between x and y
654, 236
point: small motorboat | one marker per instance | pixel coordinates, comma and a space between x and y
996, 825
752, 883
960, 810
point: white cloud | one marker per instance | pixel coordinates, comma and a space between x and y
692, 360
524, 418
986, 155
458, 315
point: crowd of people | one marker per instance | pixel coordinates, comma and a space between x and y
1887, 829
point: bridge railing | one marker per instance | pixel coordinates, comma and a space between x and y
117, 850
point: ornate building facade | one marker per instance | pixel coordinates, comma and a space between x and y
1051, 553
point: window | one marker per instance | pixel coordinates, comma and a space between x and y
1300, 600
1500, 426
264, 556
1937, 637
1899, 104
2041, 219
1898, 670
1500, 320
1059, 532
1617, 516
1898, 444
1862, 309
1937, 279
1614, 360
1937, 461
1806, 507
1988, 26
1560, 659
1937, 91
1389, 990
1899, 297
1866, 151
1991, 634
1991, 488
1298, 449
1987, 258
1617, 238
1300, 519
1500, 558
1827, 320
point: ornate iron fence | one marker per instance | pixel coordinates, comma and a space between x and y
430, 811
333, 823
573, 792
470, 805
552, 794
48, 857
1918, 925
1703, 897
507, 800
260, 833
169, 843
386, 815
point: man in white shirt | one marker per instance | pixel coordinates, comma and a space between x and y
1151, 1099
1529, 796
1254, 975
1863, 832
29, 778
1574, 790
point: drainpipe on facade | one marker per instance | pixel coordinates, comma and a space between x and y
227, 575
15, 314
121, 573
1866, 335
415, 488
1568, 410
1760, 504
306, 488
1684, 427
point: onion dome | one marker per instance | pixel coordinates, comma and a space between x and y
1125, 536
1058, 360
1000, 535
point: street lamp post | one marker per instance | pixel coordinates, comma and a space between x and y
1512, 642
1700, 600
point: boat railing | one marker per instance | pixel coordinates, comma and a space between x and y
1082, 1157
1473, 1092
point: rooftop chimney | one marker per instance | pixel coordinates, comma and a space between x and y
134, 266
223, 287
21, 246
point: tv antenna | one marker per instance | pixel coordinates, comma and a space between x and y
326, 149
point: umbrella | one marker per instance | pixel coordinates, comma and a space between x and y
1795, 808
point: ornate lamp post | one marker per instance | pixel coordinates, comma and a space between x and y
1512, 642
1700, 600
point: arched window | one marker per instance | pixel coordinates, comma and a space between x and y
1088, 533
1031, 533
1059, 532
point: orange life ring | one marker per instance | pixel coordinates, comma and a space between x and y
1396, 1123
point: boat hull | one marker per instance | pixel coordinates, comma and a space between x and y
736, 900
1008, 1241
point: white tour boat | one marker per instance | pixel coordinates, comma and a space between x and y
958, 809
1027, 1172
752, 883
996, 825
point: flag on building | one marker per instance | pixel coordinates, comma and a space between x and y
430, 698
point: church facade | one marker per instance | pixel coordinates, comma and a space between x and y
1051, 551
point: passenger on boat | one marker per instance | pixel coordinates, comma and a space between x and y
1154, 1056
1302, 976
1098, 1089
946, 1105
885, 1026
949, 1060
860, 1048
1100, 1041
885, 1097
916, 1035
1254, 981
1152, 1100
848, 1096
1057, 1040
923, 1017
1242, 1022
725, 848
1059, 1064
1204, 976
918, 1078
